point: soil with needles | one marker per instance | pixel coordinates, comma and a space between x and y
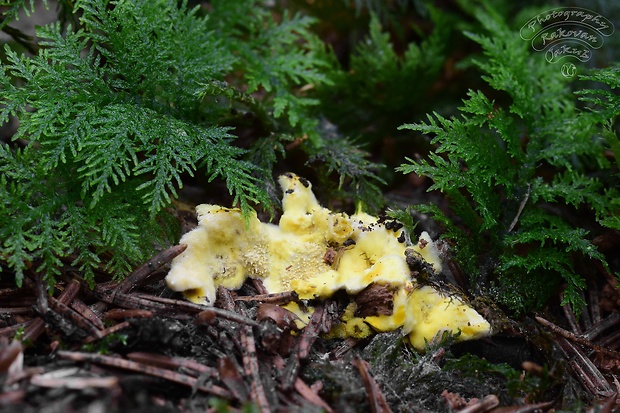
136, 346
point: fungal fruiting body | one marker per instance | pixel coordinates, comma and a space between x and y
316, 252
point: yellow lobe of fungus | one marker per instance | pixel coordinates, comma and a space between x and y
431, 312
350, 325
316, 252
303, 316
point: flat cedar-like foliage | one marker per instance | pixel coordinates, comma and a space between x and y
121, 102
514, 174
113, 112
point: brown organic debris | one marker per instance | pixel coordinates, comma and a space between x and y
246, 349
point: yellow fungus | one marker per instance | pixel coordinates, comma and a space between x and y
316, 252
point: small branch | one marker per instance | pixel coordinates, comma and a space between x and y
141, 368
310, 332
206, 316
520, 210
166, 362
156, 262
74, 382
122, 313
577, 339
34, 330
276, 298
107, 331
377, 401
251, 369
585, 371
76, 318
598, 328
87, 313
321, 320
142, 272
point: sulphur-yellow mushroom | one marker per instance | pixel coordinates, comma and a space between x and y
316, 252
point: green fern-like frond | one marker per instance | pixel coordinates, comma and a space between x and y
604, 105
115, 114
286, 78
11, 10
486, 161
379, 86
340, 156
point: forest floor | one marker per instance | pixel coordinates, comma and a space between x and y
137, 346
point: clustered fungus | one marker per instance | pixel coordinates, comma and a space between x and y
316, 252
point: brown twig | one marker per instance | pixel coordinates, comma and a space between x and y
107, 331
12, 330
75, 382
595, 306
604, 324
377, 401
258, 285
225, 299
302, 349
9, 352
76, 318
142, 272
570, 317
87, 313
16, 310
276, 298
35, 328
230, 376
577, 339
585, 371
128, 300
251, 369
308, 394
310, 332
145, 369
159, 360
206, 316
122, 313
520, 210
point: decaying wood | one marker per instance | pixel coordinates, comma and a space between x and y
375, 300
